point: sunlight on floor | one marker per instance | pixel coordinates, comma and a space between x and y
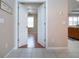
31, 42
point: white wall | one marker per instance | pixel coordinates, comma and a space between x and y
57, 23
7, 31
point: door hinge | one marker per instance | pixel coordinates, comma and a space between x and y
18, 42
18, 6
44, 6
18, 23
18, 39
44, 40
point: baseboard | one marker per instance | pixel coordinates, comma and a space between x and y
8, 53
57, 48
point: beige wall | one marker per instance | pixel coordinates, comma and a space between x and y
57, 30
56, 23
6, 31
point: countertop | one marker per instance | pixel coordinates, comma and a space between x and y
74, 26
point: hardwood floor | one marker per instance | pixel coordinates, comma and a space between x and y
32, 42
37, 45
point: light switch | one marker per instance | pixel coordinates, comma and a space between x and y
60, 12
1, 20
64, 22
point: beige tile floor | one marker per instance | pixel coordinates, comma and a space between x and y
71, 52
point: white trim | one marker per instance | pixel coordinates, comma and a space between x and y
46, 25
32, 1
57, 48
16, 18
15, 26
8, 53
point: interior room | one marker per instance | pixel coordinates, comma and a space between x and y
39, 28
73, 26
33, 25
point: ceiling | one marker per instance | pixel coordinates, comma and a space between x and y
73, 6
32, 7
10, 3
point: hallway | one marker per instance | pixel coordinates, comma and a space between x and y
52, 28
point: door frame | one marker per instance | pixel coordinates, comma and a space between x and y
17, 24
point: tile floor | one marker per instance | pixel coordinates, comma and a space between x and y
71, 52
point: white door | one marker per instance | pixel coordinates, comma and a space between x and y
42, 25
22, 25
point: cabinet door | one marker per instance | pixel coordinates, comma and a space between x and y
71, 32
77, 33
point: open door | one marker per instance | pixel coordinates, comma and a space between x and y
42, 25
22, 25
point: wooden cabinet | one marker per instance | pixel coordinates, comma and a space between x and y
73, 32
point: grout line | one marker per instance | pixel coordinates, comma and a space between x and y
8, 53
32, 53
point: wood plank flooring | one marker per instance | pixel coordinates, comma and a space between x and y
32, 42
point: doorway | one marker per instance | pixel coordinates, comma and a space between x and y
32, 25
73, 24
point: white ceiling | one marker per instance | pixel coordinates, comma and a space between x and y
32, 7
32, 1
73, 4
10, 3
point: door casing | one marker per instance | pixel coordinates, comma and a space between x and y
18, 26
